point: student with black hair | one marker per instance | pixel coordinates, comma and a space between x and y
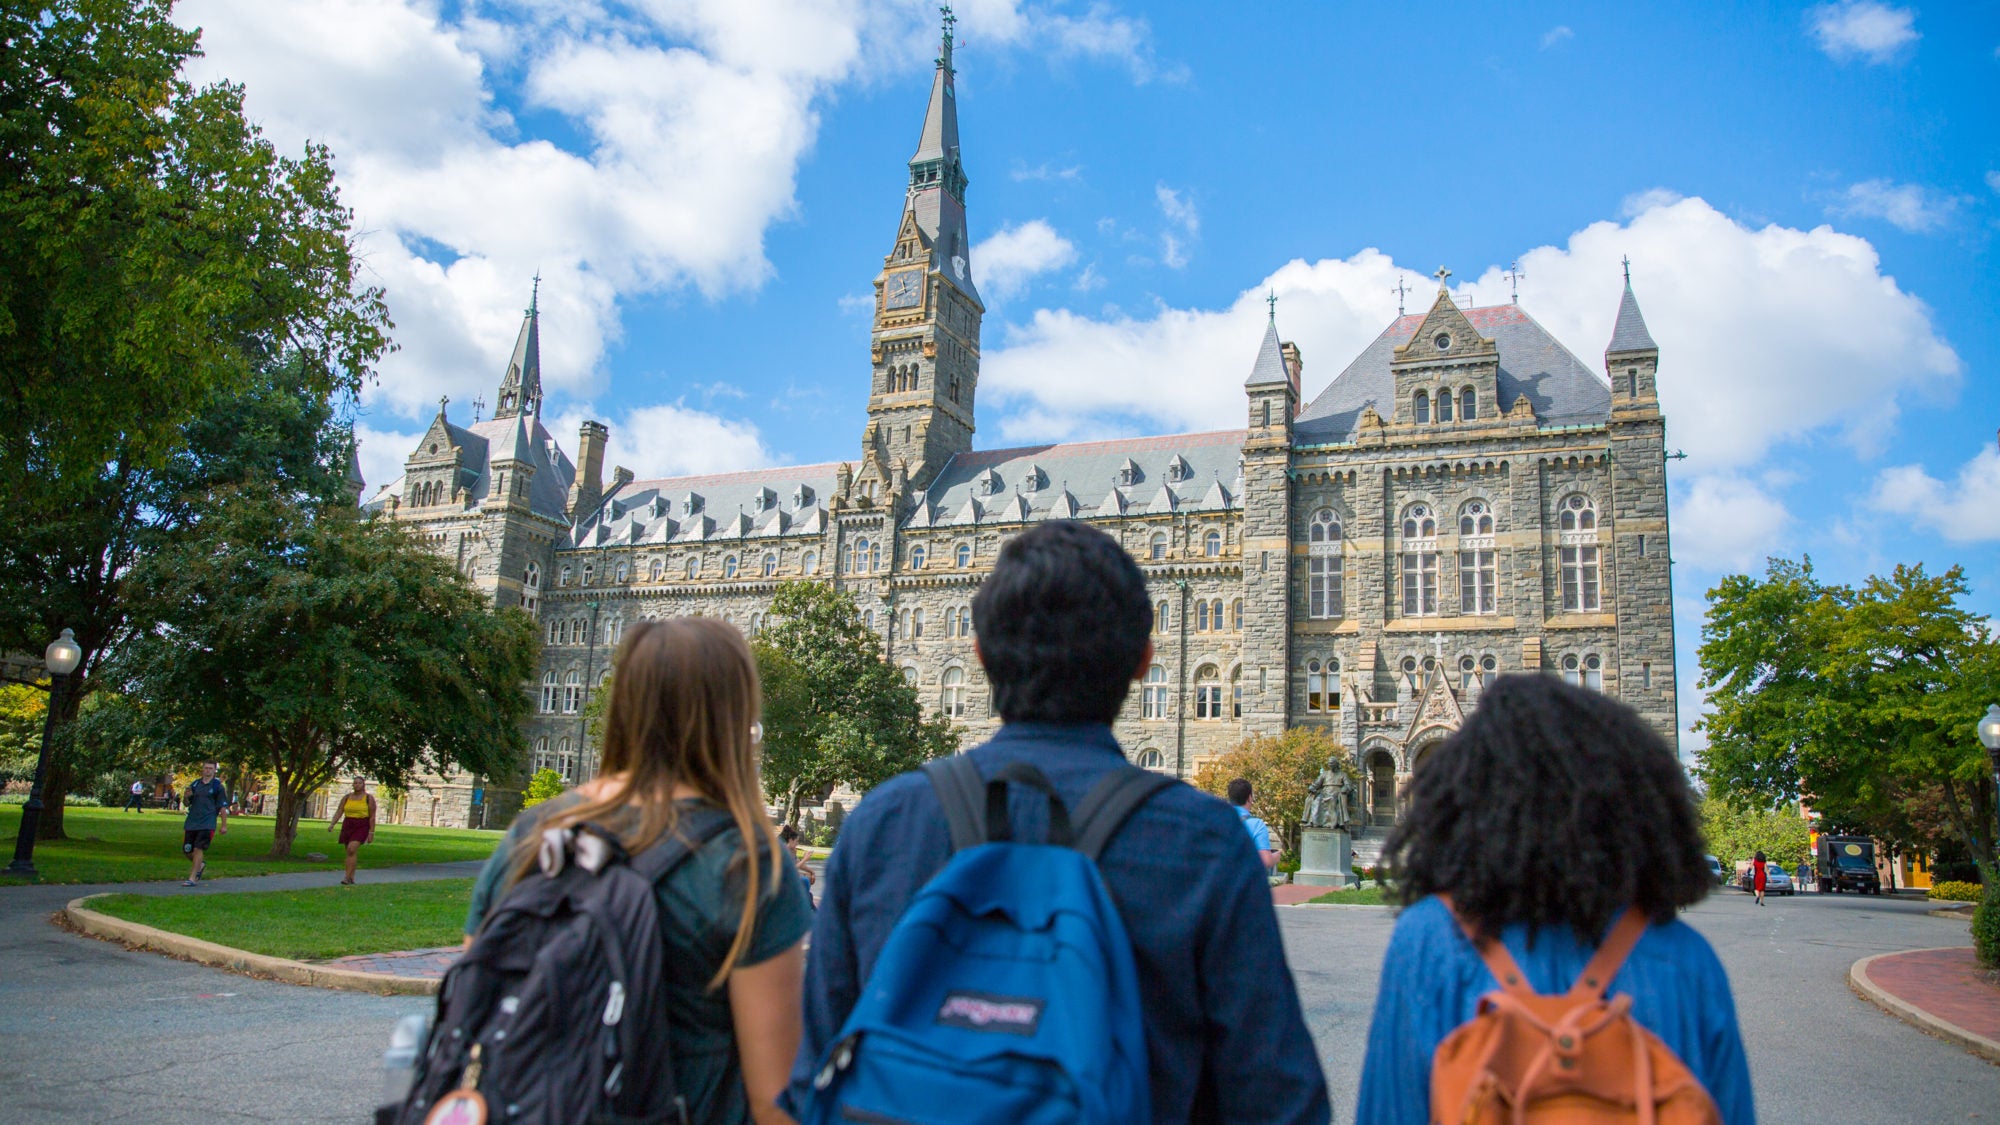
1260, 833
1063, 626
1552, 811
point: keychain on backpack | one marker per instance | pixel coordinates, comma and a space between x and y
465, 1105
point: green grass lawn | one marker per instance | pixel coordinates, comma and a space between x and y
1354, 896
114, 846
314, 925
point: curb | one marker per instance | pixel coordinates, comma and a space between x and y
135, 936
1857, 978
1950, 912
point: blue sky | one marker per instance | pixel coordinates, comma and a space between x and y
1809, 194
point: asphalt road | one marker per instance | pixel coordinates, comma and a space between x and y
91, 1032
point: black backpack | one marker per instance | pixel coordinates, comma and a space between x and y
556, 1014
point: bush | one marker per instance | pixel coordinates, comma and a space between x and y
542, 786
1953, 891
1986, 927
1288, 863
73, 801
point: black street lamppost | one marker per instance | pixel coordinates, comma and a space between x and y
1989, 737
61, 658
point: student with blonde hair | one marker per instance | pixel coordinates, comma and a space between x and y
680, 749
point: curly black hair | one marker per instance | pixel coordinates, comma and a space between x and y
1552, 805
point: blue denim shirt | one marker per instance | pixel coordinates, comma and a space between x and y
1225, 1038
1432, 980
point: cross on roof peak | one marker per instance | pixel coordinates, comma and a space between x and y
442, 399
1627, 263
1271, 299
1443, 274
1399, 290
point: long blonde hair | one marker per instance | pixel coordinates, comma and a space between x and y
684, 701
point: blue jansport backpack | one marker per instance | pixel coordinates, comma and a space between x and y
1007, 992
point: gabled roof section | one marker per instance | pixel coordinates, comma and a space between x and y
521, 387
1561, 389
1446, 323
481, 444
1269, 369
759, 503
1106, 469
1630, 335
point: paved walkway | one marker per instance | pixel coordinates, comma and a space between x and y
1949, 984
423, 964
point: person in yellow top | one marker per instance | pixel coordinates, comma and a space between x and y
355, 817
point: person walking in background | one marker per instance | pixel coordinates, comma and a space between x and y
207, 804
1064, 624
137, 801
1260, 833
355, 817
789, 836
1804, 874
1554, 822
680, 742
1759, 872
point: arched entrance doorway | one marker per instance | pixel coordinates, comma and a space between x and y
1381, 789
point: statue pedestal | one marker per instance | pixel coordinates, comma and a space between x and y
1325, 858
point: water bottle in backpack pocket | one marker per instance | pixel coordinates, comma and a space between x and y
1007, 990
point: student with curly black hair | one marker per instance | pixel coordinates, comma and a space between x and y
1538, 824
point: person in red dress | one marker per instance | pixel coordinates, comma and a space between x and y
1758, 875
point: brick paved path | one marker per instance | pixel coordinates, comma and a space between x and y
428, 964
1947, 983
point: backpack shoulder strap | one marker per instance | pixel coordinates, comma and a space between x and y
963, 795
1494, 953
697, 826
1604, 964
1114, 798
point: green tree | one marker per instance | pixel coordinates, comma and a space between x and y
834, 711
1280, 768
159, 261
1861, 702
22, 709
307, 640
542, 786
1736, 833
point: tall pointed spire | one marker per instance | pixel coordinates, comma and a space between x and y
1270, 365
521, 389
937, 175
1629, 334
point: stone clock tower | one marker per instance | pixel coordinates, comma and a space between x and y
925, 343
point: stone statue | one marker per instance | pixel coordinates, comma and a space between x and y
1329, 799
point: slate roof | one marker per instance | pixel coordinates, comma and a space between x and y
481, 443
1130, 476
1270, 365
1630, 334
757, 504
1562, 390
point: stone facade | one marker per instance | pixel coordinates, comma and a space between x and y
1466, 499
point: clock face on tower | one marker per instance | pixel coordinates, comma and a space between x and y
903, 290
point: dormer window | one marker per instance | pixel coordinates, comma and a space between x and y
690, 503
1178, 469
802, 497
765, 500
1128, 473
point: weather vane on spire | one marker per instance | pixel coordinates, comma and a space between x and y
535, 294
1271, 299
1514, 276
1399, 290
1627, 263
950, 21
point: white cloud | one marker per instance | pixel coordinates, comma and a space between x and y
382, 453
1005, 262
1178, 208
1863, 29
1555, 35
1089, 280
1910, 207
1046, 172
1724, 522
1767, 335
1993, 178
689, 121
669, 439
1964, 511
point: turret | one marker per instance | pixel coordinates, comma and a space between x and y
1632, 359
521, 387
588, 487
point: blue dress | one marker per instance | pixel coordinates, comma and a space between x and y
1432, 980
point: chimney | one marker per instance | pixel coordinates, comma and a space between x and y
1294, 366
589, 485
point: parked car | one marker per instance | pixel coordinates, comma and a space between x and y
1776, 882
1715, 870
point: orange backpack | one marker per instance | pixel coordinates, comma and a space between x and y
1577, 1058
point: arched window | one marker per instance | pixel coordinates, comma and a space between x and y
770, 565
1153, 694
1410, 675
809, 563
1163, 618
1322, 685
729, 566
613, 630
553, 626
589, 572
868, 620
562, 576
951, 699
1236, 615
1152, 759
1419, 562
1577, 557
1236, 692
910, 674
874, 556
1572, 670
1444, 406
1201, 621
1324, 528
1211, 544
548, 693
1593, 672
541, 761
1468, 405
621, 572
857, 555
565, 762
917, 557
1325, 568
572, 692
756, 623
1156, 549
531, 587
1207, 692
965, 621
1475, 518
693, 567
962, 555
1423, 407
656, 571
